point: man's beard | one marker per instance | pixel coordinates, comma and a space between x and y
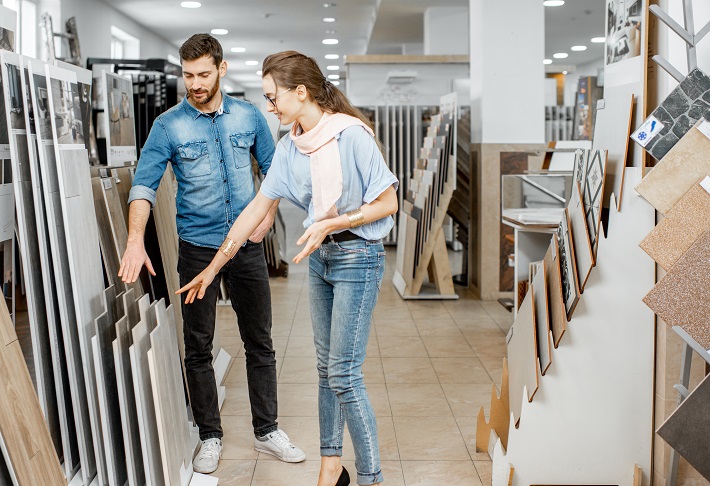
209, 96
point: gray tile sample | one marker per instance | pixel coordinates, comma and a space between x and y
686, 430
568, 268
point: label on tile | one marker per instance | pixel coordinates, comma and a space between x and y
107, 183
601, 104
705, 183
650, 128
704, 128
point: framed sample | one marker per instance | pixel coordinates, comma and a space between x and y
568, 268
84, 85
625, 20
542, 316
66, 107
119, 119
590, 173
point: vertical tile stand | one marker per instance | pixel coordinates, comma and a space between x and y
690, 346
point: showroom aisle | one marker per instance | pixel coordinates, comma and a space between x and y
429, 368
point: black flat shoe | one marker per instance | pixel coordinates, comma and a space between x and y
344, 479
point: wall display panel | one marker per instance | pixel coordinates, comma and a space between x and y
119, 119
522, 360
555, 299
542, 317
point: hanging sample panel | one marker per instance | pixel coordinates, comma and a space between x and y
568, 266
28, 445
682, 297
542, 317
83, 120
684, 165
119, 116
681, 227
580, 235
686, 428
522, 361
60, 262
555, 300
590, 172
681, 109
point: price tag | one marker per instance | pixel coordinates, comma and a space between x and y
648, 131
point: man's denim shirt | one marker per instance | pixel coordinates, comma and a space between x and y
211, 158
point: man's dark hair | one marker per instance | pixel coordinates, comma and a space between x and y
199, 45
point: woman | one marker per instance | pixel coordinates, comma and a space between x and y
331, 166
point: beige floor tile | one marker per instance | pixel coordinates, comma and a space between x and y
485, 471
444, 326
237, 373
467, 426
236, 401
495, 310
277, 473
427, 309
430, 439
466, 400
409, 370
475, 324
298, 400
373, 346
460, 370
281, 328
392, 472
505, 324
373, 370
437, 473
494, 367
235, 473
232, 345
238, 440
401, 347
447, 347
298, 370
302, 327
279, 343
396, 327
379, 398
418, 401
301, 346
386, 438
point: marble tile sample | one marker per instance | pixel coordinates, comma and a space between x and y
681, 227
685, 165
686, 430
682, 296
682, 108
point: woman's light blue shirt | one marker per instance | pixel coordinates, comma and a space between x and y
365, 177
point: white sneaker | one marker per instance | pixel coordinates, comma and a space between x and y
207, 459
279, 445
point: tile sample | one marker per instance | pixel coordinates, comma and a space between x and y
499, 414
682, 296
611, 133
542, 319
555, 300
681, 227
686, 428
682, 108
522, 362
580, 236
568, 268
592, 194
684, 166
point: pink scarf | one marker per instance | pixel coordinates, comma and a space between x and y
326, 170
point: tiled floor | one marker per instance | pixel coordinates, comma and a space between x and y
429, 368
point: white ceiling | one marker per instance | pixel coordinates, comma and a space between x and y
362, 27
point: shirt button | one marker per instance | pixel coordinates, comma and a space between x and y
221, 161
225, 180
216, 140
227, 201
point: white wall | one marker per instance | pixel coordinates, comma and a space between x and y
572, 79
446, 30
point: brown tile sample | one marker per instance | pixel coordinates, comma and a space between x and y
682, 296
499, 415
580, 235
542, 319
522, 362
683, 225
686, 430
682, 167
553, 280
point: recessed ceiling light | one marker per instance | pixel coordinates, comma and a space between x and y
547, 61
238, 49
330, 32
560, 55
330, 41
259, 72
329, 19
328, 5
219, 31
332, 56
333, 68
579, 48
337, 83
598, 40
252, 63
191, 4
333, 76
553, 3
564, 72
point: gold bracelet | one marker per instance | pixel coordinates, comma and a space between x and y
356, 218
227, 246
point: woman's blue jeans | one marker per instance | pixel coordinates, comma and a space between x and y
345, 280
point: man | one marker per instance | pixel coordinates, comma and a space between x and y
209, 139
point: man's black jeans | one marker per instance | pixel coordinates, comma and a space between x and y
247, 280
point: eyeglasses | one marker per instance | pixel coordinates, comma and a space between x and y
273, 100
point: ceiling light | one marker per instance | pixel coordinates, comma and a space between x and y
259, 72
333, 68
333, 76
332, 56
329, 19
252, 63
547, 61
330, 32
337, 83
330, 41
560, 55
191, 4
579, 48
598, 40
328, 5
564, 72
553, 3
219, 31
238, 49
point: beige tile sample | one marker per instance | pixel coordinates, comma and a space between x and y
679, 170
542, 319
553, 279
682, 296
522, 362
583, 255
683, 225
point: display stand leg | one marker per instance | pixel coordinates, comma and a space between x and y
439, 267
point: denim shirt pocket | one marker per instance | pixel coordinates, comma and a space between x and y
241, 146
195, 159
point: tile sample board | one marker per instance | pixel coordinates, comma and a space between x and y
522, 359
28, 445
590, 173
499, 414
58, 249
682, 108
681, 227
119, 125
542, 318
580, 236
611, 133
682, 297
555, 300
686, 430
111, 258
684, 166
568, 266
